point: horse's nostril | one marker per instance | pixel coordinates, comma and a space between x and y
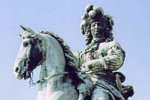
17, 69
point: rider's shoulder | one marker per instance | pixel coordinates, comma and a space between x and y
113, 44
109, 44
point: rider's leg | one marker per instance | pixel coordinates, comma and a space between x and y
100, 93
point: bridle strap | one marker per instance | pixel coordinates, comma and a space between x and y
46, 78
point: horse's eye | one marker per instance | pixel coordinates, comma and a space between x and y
25, 44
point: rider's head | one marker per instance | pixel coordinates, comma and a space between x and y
101, 29
97, 26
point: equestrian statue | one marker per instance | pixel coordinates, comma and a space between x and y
88, 75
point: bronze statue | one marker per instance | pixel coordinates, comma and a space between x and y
92, 76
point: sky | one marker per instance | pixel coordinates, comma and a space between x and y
131, 30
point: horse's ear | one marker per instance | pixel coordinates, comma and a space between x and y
23, 28
20, 35
27, 29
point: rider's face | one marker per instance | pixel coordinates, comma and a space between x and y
96, 29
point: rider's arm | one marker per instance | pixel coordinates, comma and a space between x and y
113, 59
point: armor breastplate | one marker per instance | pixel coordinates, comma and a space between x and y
100, 51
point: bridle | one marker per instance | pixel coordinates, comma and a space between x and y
26, 66
45, 79
31, 81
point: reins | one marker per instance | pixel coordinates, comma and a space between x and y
31, 83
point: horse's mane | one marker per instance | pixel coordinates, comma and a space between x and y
69, 57
71, 61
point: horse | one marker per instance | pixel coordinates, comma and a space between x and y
58, 78
56, 60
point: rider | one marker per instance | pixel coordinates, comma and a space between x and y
102, 56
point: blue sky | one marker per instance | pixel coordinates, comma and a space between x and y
63, 17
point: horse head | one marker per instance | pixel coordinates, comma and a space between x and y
29, 56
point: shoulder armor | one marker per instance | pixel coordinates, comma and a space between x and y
114, 44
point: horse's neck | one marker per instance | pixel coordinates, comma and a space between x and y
54, 58
54, 63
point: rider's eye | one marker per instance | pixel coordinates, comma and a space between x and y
25, 44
